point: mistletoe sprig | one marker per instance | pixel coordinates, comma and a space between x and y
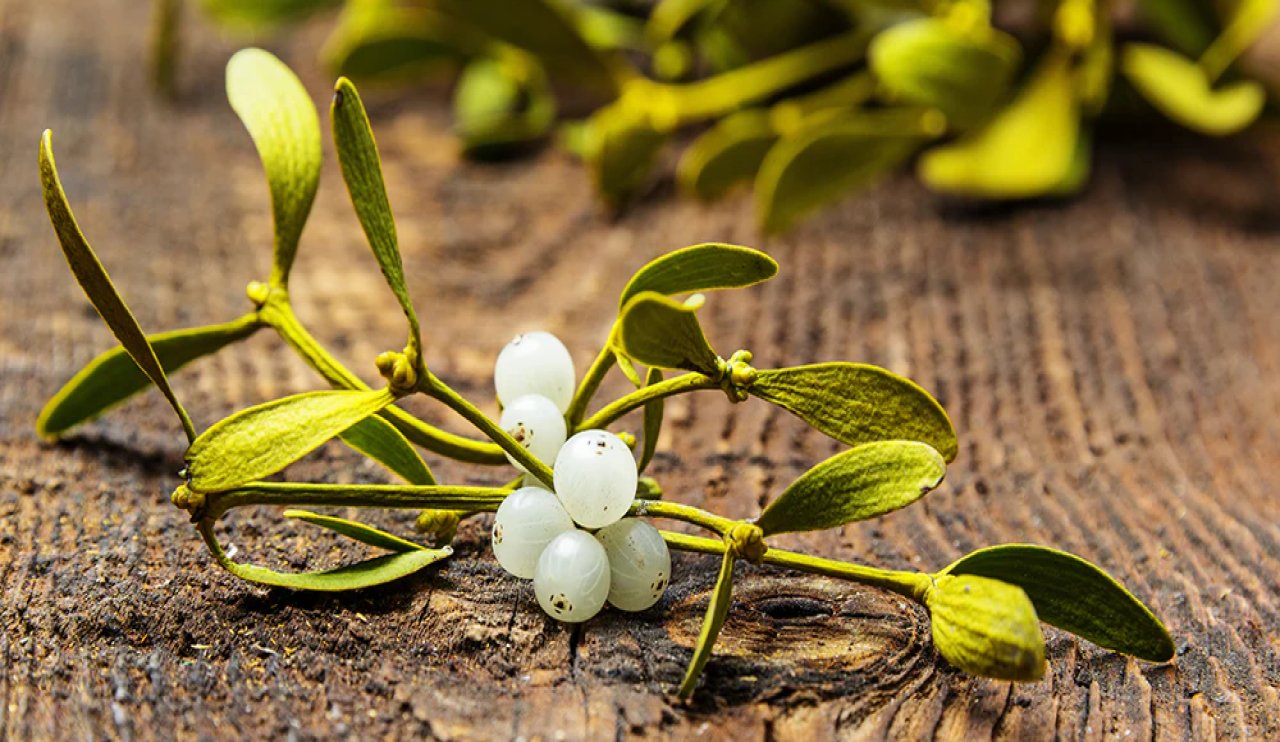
559, 527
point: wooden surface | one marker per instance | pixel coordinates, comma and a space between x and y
1111, 365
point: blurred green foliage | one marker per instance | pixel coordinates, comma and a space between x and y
805, 100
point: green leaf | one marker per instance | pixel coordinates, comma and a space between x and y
986, 627
822, 163
113, 376
864, 482
657, 330
365, 534
963, 72
704, 267
620, 148
1178, 88
383, 442
544, 28
652, 421
97, 285
281, 118
262, 440
1025, 151
628, 370
727, 154
1074, 595
717, 612
388, 41
259, 16
858, 403
501, 106
362, 171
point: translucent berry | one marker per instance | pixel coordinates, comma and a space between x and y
595, 478
537, 424
572, 577
639, 563
526, 521
535, 363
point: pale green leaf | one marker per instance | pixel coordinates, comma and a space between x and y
652, 422
262, 440
822, 163
383, 442
704, 267
1074, 595
1026, 150
717, 612
362, 171
1178, 88
657, 330
858, 403
281, 118
864, 482
963, 72
361, 532
95, 282
113, 376
986, 627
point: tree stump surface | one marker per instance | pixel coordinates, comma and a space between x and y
1111, 365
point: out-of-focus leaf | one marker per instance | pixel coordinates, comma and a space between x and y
705, 267
1178, 88
1025, 151
113, 376
652, 422
385, 40
620, 148
929, 61
857, 403
657, 330
355, 530
383, 442
260, 16
1189, 25
362, 171
1077, 176
276, 109
717, 612
864, 482
817, 165
728, 153
95, 282
264, 439
546, 29
670, 17
607, 29
986, 627
501, 106
1074, 595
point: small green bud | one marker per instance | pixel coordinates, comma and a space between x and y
986, 627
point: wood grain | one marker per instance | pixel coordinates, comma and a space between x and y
1111, 364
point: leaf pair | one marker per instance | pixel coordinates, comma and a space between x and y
407, 558
853, 403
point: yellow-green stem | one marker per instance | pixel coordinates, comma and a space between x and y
590, 383
675, 385
908, 584
433, 387
395, 496
277, 313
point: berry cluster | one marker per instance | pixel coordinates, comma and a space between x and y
545, 534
